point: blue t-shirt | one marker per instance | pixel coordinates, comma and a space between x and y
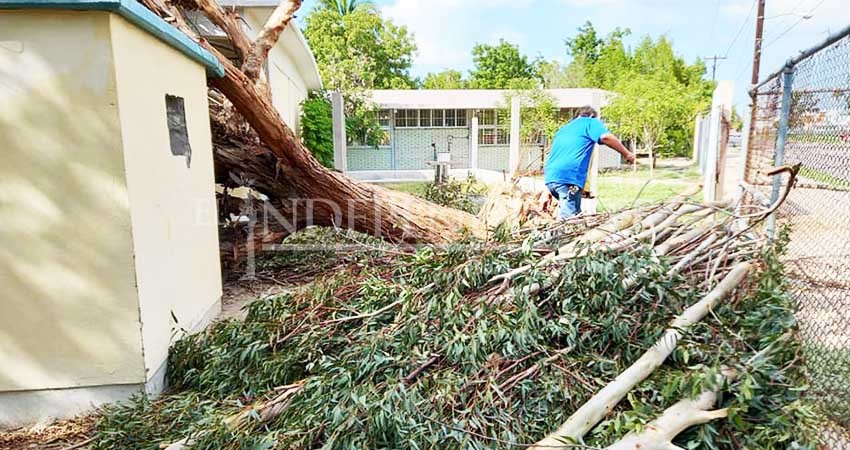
571, 151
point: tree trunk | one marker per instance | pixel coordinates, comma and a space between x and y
284, 169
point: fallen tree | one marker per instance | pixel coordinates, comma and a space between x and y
426, 352
300, 188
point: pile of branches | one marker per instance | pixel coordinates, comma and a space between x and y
654, 328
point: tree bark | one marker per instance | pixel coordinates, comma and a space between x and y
289, 173
277, 22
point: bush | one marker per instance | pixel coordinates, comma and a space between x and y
455, 194
317, 129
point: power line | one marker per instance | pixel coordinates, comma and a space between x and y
741, 29
802, 18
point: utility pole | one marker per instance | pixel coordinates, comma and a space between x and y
754, 80
714, 64
759, 33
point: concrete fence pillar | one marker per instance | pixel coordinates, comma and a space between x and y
513, 155
697, 127
340, 140
473, 143
712, 153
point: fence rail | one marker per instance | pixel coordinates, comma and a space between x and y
801, 115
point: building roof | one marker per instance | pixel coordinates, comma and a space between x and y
136, 14
479, 98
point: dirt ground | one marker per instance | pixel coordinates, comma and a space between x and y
63, 435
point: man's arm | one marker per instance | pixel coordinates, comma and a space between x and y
611, 141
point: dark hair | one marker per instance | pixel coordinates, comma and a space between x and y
587, 111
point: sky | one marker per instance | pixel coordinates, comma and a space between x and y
446, 30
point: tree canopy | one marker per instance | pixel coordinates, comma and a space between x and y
344, 7
359, 49
447, 79
658, 92
501, 66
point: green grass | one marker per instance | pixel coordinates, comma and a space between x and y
411, 187
829, 375
824, 178
620, 189
812, 138
617, 188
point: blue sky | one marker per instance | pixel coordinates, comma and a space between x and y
446, 30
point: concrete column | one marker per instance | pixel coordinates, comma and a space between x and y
695, 153
473, 143
711, 155
513, 155
340, 143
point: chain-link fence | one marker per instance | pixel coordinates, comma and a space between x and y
801, 115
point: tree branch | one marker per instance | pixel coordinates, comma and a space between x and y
268, 37
228, 21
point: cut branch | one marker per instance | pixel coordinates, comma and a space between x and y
659, 434
586, 417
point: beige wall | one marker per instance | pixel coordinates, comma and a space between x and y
68, 310
287, 85
105, 234
172, 206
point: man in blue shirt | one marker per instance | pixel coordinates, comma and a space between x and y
566, 168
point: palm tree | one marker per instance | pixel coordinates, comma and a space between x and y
344, 7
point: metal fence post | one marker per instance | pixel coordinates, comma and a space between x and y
781, 137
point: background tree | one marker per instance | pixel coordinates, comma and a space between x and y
447, 79
539, 114
317, 127
606, 63
585, 46
360, 49
501, 66
344, 7
553, 75
356, 50
647, 108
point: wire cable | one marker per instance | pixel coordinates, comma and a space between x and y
741, 30
803, 17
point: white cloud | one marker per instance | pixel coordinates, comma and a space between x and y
738, 9
445, 30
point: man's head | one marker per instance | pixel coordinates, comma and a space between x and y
587, 111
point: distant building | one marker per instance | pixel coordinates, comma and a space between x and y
465, 123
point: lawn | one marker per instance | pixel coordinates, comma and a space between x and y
411, 187
619, 188
622, 188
